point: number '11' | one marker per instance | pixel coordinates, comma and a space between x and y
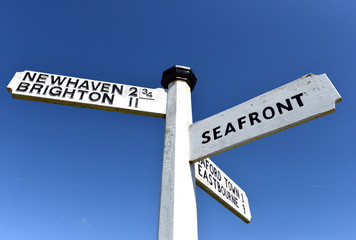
131, 102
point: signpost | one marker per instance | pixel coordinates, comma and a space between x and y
217, 184
297, 102
185, 142
178, 213
51, 88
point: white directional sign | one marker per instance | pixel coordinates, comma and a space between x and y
217, 184
297, 102
45, 87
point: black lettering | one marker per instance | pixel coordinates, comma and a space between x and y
136, 102
207, 164
241, 121
95, 87
37, 87
299, 100
118, 90
75, 83
225, 181
229, 128
105, 87
219, 187
205, 176
45, 91
215, 183
253, 117
55, 91
28, 75
202, 162
133, 91
216, 132
288, 107
42, 78
94, 96
265, 113
210, 181
107, 98
199, 170
58, 80
216, 173
68, 92
211, 167
206, 136
219, 175
84, 84
229, 186
23, 87
222, 189
82, 94
236, 192
234, 200
228, 195
146, 93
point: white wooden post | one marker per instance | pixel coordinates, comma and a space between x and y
178, 212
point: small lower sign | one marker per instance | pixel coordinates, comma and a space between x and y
217, 184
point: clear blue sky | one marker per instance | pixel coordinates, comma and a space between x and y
74, 173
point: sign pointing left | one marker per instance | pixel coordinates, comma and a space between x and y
51, 88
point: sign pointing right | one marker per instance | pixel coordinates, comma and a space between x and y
217, 184
302, 100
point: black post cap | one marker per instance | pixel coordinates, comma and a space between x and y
179, 73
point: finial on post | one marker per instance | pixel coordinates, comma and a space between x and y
178, 72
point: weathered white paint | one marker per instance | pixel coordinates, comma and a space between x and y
309, 97
178, 213
217, 184
45, 87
